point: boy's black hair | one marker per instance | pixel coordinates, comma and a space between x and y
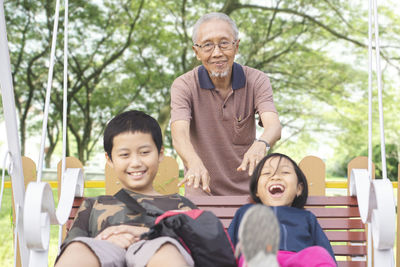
299, 201
131, 121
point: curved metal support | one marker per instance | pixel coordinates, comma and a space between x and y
377, 207
384, 216
360, 186
39, 213
8, 100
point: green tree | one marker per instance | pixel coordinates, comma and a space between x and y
125, 54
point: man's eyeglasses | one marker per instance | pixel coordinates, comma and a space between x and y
223, 46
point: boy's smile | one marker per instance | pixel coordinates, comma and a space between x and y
278, 184
135, 160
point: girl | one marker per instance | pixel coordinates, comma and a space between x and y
279, 183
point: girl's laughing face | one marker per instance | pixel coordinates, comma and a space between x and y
278, 184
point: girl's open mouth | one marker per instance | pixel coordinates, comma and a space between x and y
276, 189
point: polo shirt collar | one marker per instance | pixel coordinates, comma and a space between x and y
238, 77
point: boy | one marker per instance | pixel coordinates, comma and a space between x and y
105, 231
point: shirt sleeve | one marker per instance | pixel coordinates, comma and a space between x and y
80, 227
233, 228
320, 239
263, 101
181, 100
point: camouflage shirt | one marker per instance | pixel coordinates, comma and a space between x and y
97, 213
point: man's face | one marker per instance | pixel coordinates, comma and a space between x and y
217, 62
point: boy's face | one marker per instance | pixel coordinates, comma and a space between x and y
135, 160
278, 185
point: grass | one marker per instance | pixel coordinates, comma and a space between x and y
6, 248
6, 235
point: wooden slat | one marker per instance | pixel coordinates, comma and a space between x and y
352, 264
314, 169
78, 201
331, 201
345, 236
331, 224
335, 212
220, 200
343, 250
241, 200
69, 223
73, 212
222, 212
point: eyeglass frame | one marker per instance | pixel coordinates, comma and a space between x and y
214, 44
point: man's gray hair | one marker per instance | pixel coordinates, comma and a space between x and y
211, 16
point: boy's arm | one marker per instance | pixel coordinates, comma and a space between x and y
122, 235
80, 227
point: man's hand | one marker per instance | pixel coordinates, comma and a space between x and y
196, 172
252, 157
122, 235
195, 175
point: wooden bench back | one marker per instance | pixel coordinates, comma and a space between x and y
338, 216
314, 169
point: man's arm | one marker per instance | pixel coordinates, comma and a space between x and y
271, 134
196, 171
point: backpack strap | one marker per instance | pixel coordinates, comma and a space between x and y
132, 204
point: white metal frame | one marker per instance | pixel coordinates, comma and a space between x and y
375, 197
35, 209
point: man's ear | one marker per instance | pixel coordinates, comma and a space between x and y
237, 45
161, 155
109, 160
300, 187
196, 52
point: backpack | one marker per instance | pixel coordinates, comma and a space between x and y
199, 231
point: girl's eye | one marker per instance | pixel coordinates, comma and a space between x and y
124, 155
144, 152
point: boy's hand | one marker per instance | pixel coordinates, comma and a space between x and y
122, 235
122, 240
195, 174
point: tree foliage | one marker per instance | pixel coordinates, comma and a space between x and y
125, 54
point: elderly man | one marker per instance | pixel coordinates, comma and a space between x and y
213, 111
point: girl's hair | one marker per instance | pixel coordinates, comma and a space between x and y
299, 201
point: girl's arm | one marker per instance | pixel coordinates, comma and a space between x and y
320, 239
233, 228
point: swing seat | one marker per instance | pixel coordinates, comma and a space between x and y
339, 216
